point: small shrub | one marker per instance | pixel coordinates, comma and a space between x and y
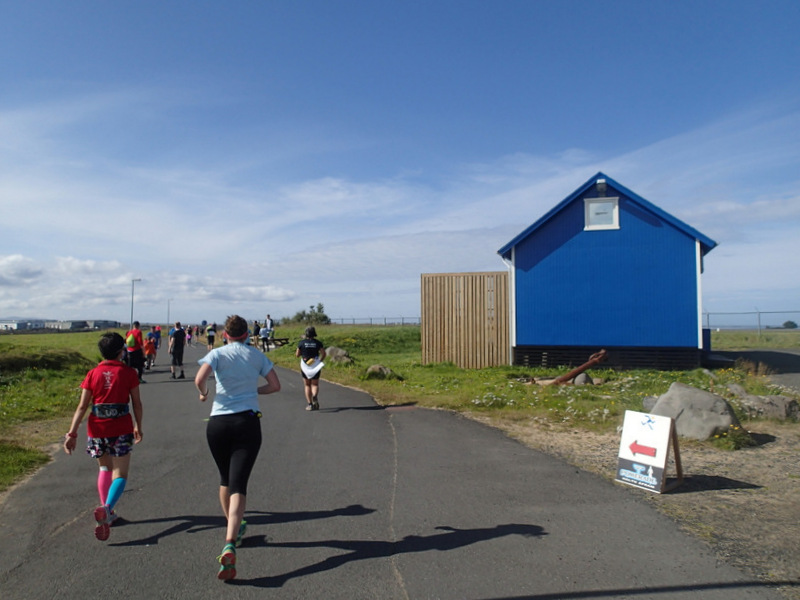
734, 438
751, 368
315, 315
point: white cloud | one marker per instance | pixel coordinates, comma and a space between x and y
213, 242
18, 270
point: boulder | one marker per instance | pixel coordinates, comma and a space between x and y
583, 379
770, 407
381, 372
648, 402
737, 390
378, 372
337, 355
699, 415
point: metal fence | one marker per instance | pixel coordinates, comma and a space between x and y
754, 319
377, 321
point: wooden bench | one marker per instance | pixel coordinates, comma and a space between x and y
277, 342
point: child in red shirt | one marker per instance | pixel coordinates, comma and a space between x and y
111, 389
149, 353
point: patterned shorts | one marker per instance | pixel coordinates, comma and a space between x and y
113, 446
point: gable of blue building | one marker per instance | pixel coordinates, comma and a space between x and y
633, 285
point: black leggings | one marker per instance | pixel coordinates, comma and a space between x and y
234, 441
136, 360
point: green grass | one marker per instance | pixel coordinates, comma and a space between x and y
16, 462
39, 379
505, 390
40, 375
752, 339
84, 343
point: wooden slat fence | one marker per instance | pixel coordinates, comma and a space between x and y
465, 319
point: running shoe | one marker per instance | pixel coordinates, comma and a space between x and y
240, 535
227, 563
315, 404
310, 406
103, 516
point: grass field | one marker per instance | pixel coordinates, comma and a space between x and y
39, 379
40, 375
753, 339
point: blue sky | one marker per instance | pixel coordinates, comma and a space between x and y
262, 157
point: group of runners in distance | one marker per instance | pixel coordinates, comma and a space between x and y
110, 393
140, 351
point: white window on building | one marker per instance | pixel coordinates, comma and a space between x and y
601, 213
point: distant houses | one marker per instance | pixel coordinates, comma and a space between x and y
39, 325
20, 325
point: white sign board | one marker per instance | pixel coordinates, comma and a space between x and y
643, 450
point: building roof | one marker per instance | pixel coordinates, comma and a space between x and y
706, 243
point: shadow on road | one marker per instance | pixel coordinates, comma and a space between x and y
198, 523
652, 590
391, 407
370, 549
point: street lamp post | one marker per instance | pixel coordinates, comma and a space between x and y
133, 283
168, 301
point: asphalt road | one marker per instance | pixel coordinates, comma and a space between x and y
354, 501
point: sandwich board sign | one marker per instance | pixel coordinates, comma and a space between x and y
644, 450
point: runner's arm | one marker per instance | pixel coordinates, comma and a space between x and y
201, 380
273, 384
71, 437
136, 401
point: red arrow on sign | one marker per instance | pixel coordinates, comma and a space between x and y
637, 448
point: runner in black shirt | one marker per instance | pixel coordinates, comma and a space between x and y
311, 353
177, 341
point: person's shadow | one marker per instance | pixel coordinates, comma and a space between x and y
451, 539
196, 523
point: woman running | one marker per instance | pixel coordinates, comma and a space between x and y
234, 429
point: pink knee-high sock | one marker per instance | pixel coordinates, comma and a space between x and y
103, 483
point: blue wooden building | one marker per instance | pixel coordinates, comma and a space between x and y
606, 269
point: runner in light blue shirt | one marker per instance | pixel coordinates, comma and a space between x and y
237, 368
234, 429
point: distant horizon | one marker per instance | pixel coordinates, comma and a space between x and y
769, 320
358, 320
